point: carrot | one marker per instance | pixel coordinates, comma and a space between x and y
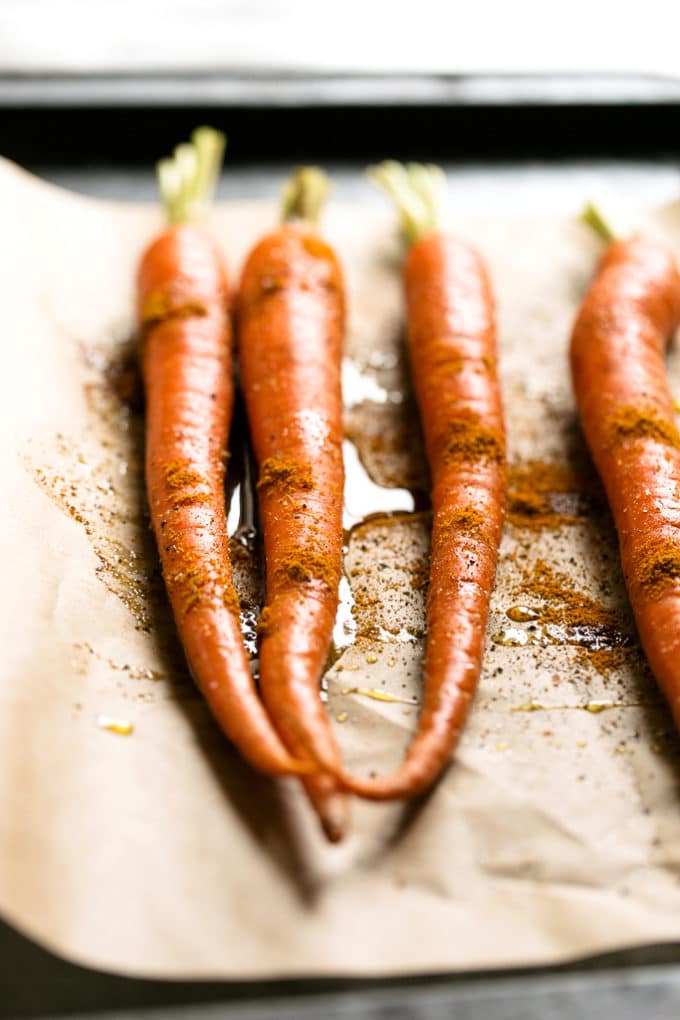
452, 349
187, 370
628, 418
290, 336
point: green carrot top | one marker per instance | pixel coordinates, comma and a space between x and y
187, 179
418, 192
304, 195
594, 219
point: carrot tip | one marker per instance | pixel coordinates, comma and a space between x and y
333, 817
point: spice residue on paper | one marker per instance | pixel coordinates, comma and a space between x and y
556, 612
544, 495
97, 478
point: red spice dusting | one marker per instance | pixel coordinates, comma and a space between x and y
231, 600
190, 498
658, 566
562, 602
178, 474
467, 521
285, 474
467, 439
265, 623
640, 423
308, 565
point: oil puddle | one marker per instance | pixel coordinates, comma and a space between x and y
360, 388
345, 629
379, 695
521, 614
593, 637
243, 527
593, 707
364, 498
112, 724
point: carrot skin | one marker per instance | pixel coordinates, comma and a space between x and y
452, 348
291, 323
626, 409
187, 370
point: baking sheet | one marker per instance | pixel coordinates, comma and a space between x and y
555, 832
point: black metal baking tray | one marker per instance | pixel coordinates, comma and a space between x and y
218, 89
101, 135
121, 118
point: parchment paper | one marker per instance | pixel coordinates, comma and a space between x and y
555, 832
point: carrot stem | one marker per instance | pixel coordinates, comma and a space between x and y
593, 218
417, 190
304, 195
187, 179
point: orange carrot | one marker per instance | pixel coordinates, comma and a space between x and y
187, 370
452, 348
617, 361
290, 335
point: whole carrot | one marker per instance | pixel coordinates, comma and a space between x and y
452, 349
186, 356
628, 418
290, 333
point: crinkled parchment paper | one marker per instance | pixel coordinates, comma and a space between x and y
555, 832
